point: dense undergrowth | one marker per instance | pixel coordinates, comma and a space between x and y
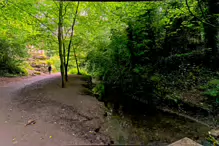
145, 53
141, 56
12, 58
157, 57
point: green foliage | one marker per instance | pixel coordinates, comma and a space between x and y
99, 90
213, 83
212, 140
12, 56
212, 93
160, 50
211, 89
146, 49
55, 63
75, 71
156, 78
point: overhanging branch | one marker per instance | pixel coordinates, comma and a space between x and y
33, 17
196, 16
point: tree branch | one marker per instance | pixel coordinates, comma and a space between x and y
72, 31
33, 17
65, 10
200, 7
196, 16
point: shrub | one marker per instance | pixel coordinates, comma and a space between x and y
12, 56
54, 62
75, 71
211, 91
99, 89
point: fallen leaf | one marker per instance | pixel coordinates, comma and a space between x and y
30, 122
14, 141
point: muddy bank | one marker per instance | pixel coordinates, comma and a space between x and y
142, 125
162, 128
71, 116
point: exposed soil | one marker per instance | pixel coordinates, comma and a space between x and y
62, 116
67, 116
6, 80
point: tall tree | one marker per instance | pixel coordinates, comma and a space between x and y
60, 40
211, 31
70, 43
210, 23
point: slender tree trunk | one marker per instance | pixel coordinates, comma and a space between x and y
64, 60
211, 32
130, 45
70, 43
66, 72
76, 60
60, 34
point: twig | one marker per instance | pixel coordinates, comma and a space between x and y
196, 16
34, 17
200, 7
65, 10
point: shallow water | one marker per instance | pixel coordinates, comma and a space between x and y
158, 129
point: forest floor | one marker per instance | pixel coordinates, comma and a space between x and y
71, 116
61, 116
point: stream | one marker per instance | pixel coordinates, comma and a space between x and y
153, 128
159, 129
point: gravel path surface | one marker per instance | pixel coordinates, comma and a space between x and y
62, 116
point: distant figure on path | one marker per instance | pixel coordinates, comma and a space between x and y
49, 69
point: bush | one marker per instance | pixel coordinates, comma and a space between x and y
211, 91
12, 56
75, 71
99, 89
55, 63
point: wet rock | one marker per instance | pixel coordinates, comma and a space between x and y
206, 143
214, 132
185, 141
157, 143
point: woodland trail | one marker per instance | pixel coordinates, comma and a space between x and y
63, 116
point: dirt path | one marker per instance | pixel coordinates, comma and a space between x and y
63, 116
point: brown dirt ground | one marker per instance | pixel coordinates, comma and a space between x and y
63, 116
6, 80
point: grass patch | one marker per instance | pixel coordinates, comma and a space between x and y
74, 71
211, 91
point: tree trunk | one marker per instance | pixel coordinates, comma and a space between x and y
131, 46
76, 62
64, 60
70, 42
60, 34
66, 72
211, 31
